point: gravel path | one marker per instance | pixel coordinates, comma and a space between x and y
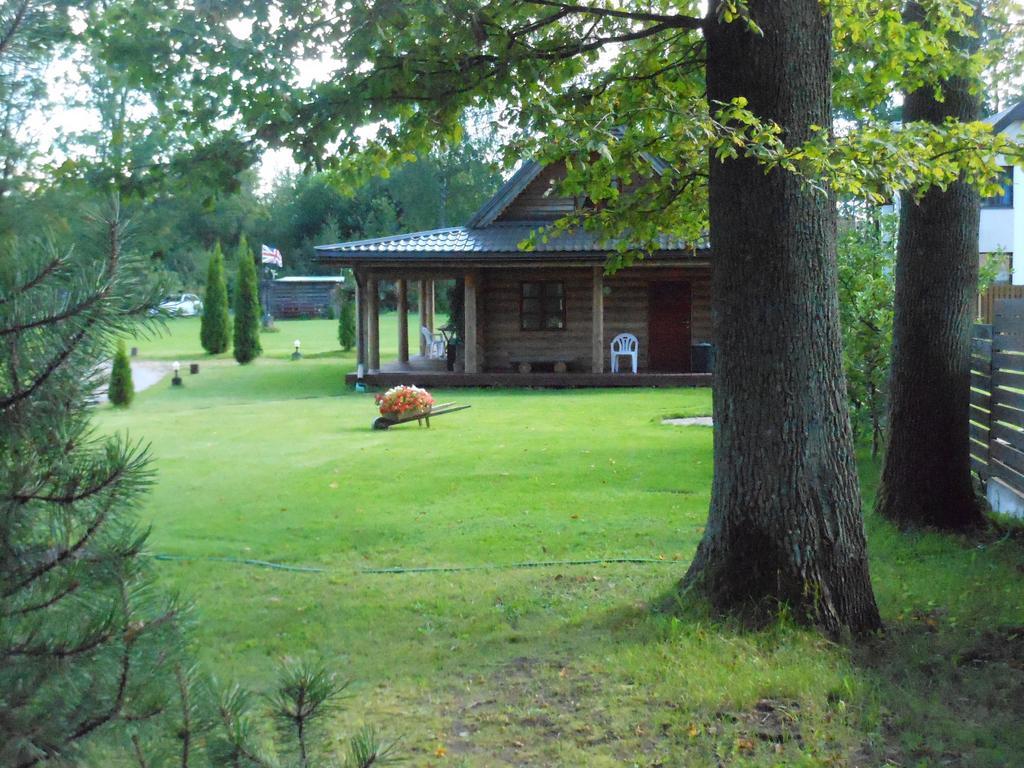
144, 375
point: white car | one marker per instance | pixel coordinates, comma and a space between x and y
181, 305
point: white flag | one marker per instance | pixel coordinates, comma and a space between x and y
271, 256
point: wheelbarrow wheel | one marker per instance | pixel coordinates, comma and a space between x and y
381, 423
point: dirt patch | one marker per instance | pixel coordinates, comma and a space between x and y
769, 720
998, 646
523, 707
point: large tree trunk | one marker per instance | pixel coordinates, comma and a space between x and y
785, 524
926, 480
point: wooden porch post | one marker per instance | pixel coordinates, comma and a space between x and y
360, 319
403, 321
469, 314
430, 305
423, 317
373, 325
597, 323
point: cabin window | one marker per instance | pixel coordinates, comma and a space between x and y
1005, 200
542, 306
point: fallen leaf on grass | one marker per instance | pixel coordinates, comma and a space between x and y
745, 745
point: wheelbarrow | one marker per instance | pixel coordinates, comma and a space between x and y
386, 422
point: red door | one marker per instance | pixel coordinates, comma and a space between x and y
668, 335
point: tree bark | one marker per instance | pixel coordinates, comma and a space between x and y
926, 479
785, 524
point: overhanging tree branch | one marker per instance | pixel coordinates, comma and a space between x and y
667, 20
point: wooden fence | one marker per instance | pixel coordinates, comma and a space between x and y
994, 293
997, 404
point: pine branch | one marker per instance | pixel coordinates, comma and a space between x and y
186, 715
63, 554
48, 269
51, 367
71, 588
128, 464
58, 652
140, 757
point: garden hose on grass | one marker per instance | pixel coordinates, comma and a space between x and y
239, 561
412, 569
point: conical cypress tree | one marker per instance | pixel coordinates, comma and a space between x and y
121, 390
215, 329
347, 324
247, 307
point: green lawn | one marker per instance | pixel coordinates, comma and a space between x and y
178, 339
564, 665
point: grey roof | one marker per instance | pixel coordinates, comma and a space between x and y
1001, 120
471, 242
310, 279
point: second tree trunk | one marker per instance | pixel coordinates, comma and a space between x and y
926, 480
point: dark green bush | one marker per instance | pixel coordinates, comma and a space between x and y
347, 324
247, 307
121, 389
215, 328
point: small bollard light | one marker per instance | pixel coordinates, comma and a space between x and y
176, 379
296, 355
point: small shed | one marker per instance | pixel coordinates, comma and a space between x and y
304, 295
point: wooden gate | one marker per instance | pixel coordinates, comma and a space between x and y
997, 405
996, 292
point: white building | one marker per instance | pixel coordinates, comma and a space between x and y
1002, 216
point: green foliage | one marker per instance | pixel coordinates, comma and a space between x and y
990, 267
305, 693
215, 328
247, 307
437, 189
866, 258
347, 324
456, 309
88, 644
567, 84
121, 390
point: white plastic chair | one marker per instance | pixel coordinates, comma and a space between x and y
435, 343
624, 345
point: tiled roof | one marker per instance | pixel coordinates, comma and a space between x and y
310, 279
470, 242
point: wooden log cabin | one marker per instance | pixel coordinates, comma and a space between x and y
543, 317
304, 295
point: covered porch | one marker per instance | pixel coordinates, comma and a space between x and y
501, 342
